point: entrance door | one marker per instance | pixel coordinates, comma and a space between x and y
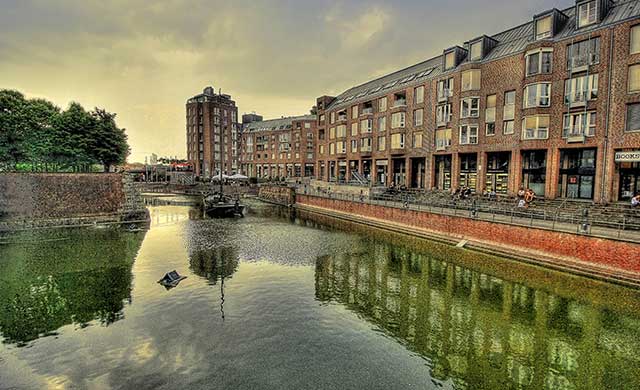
399, 172
577, 173
497, 178
629, 180
442, 169
417, 172
534, 169
469, 171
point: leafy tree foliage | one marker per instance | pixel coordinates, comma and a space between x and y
36, 135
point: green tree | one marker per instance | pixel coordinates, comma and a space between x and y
12, 131
107, 141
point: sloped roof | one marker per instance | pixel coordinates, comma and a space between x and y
509, 42
277, 124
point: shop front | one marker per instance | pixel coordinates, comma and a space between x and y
534, 170
497, 177
342, 170
577, 173
399, 172
442, 172
366, 169
469, 171
628, 168
382, 169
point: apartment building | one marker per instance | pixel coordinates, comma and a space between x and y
212, 134
552, 104
279, 148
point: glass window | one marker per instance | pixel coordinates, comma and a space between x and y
476, 51
341, 131
634, 78
397, 141
418, 95
443, 139
366, 126
583, 53
445, 89
635, 40
468, 134
633, 117
539, 62
508, 127
354, 145
537, 95
354, 129
381, 143
587, 13
417, 140
579, 90
443, 114
382, 124
470, 107
382, 104
471, 80
509, 105
535, 127
354, 112
543, 27
450, 60
398, 120
490, 110
418, 117
582, 123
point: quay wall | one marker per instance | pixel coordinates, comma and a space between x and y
34, 196
285, 196
599, 252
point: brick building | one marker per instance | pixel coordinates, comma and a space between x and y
279, 147
552, 104
211, 116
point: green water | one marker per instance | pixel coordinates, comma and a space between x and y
275, 302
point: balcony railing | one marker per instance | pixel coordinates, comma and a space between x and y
400, 103
367, 111
444, 94
581, 63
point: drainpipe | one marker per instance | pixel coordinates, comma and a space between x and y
606, 125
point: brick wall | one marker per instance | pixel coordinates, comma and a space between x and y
277, 194
33, 196
589, 249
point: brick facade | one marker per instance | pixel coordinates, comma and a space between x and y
279, 148
580, 165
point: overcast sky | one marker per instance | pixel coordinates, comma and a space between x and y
143, 59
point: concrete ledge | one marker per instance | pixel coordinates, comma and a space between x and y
569, 264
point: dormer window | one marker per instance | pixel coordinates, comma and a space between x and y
587, 13
450, 60
543, 27
475, 51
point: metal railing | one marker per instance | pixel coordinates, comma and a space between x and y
583, 221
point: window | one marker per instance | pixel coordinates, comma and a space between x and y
635, 40
543, 27
398, 120
537, 95
354, 112
582, 123
580, 89
490, 128
382, 124
418, 95
332, 133
341, 147
333, 117
470, 107
443, 139
490, 115
508, 112
471, 80
587, 13
418, 117
417, 140
633, 117
307, 125
507, 127
354, 146
450, 60
535, 127
341, 131
539, 62
381, 143
397, 141
445, 89
365, 144
366, 126
399, 99
354, 129
582, 54
475, 51
468, 134
634, 78
443, 114
382, 104
332, 148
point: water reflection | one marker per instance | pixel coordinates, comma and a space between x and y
482, 331
54, 278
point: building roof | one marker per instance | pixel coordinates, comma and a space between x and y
509, 42
277, 124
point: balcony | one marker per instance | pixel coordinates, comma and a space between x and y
400, 103
367, 111
581, 63
578, 99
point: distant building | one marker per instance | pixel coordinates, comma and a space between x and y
212, 118
278, 148
250, 118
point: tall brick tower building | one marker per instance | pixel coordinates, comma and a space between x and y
212, 133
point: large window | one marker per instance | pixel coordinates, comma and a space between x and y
354, 112
398, 120
332, 133
354, 129
365, 144
490, 115
354, 146
534, 166
539, 61
468, 134
475, 51
382, 104
341, 131
397, 141
634, 40
450, 60
633, 117
418, 95
543, 27
382, 143
418, 117
583, 53
587, 13
471, 80
577, 173
443, 114
366, 126
508, 112
535, 127
443, 139
579, 90
634, 78
445, 89
580, 123
537, 95
341, 147
470, 107
382, 124
417, 140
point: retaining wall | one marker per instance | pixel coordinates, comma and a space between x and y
285, 196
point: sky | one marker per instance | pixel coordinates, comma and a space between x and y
144, 59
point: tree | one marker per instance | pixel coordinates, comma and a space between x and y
12, 132
108, 142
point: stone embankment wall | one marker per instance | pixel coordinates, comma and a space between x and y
281, 195
51, 196
585, 249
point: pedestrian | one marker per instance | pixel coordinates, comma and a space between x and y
635, 201
529, 196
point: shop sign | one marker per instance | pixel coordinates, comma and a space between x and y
632, 156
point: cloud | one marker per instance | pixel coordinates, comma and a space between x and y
357, 31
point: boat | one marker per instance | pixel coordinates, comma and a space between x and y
218, 205
171, 279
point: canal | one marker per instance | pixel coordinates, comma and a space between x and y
276, 302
